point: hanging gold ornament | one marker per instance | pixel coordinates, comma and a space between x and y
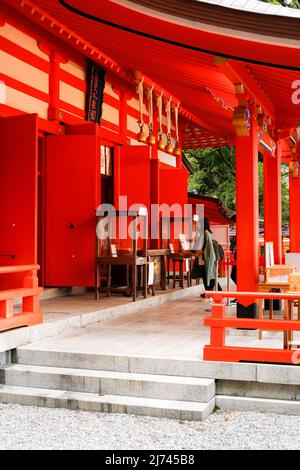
241, 119
151, 140
177, 150
293, 169
160, 144
293, 165
141, 136
169, 147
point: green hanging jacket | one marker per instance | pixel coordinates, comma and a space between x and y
209, 257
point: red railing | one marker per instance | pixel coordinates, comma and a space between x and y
29, 293
217, 350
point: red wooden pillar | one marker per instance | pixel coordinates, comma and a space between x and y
247, 219
272, 202
154, 198
55, 60
295, 213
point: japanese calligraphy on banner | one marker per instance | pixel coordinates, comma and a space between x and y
94, 101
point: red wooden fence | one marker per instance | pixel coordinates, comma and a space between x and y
29, 292
219, 321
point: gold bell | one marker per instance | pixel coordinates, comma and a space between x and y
293, 167
169, 148
160, 144
177, 151
142, 137
151, 140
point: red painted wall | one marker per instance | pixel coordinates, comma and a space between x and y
132, 179
173, 186
18, 194
132, 174
173, 190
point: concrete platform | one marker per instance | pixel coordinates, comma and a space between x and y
78, 309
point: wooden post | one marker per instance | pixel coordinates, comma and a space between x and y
154, 199
217, 335
247, 219
272, 202
294, 213
53, 110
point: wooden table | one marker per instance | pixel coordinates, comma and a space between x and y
270, 287
129, 260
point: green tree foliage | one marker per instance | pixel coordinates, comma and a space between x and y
214, 175
285, 3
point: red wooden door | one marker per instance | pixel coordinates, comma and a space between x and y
132, 174
18, 193
72, 196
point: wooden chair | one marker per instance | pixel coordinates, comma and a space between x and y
130, 258
184, 260
180, 250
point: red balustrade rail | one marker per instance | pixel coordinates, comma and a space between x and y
218, 321
29, 292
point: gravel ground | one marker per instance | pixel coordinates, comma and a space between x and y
23, 427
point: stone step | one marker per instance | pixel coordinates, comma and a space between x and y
109, 382
263, 405
51, 356
181, 410
276, 391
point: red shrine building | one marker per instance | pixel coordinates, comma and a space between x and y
98, 100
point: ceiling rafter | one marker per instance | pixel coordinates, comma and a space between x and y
237, 73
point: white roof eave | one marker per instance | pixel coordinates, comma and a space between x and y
255, 6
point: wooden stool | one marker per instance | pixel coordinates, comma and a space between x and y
181, 262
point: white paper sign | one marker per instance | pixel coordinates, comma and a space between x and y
278, 279
184, 244
187, 265
113, 250
151, 273
269, 254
